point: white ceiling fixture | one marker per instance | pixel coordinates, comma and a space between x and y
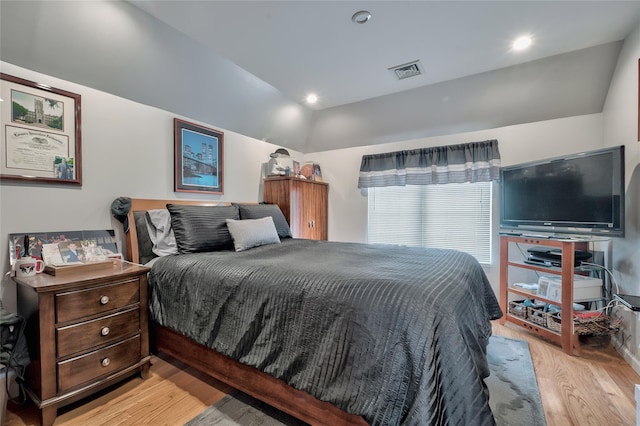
410, 69
522, 42
311, 98
361, 17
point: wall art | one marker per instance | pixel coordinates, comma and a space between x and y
41, 133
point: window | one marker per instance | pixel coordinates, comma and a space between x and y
455, 216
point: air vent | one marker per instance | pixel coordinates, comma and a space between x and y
410, 69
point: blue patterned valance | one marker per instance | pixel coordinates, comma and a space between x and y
469, 162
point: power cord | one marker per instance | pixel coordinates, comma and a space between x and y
613, 278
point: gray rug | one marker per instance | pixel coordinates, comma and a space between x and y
514, 397
514, 394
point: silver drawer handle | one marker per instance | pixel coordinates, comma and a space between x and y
105, 331
106, 362
104, 300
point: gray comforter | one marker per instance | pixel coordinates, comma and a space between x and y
397, 335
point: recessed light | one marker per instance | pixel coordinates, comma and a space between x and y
312, 98
522, 43
361, 17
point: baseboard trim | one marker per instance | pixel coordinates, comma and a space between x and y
626, 354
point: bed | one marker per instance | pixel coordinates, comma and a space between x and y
331, 333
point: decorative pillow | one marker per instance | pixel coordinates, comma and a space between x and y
160, 232
253, 232
257, 211
202, 228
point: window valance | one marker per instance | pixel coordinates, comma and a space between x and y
469, 162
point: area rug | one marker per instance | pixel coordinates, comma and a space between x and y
514, 395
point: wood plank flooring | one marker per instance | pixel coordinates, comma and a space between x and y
594, 389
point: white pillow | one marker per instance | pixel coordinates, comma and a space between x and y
160, 232
252, 232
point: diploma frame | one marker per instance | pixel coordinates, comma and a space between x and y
39, 136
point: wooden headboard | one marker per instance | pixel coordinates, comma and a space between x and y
142, 205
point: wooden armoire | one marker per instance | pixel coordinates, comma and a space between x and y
303, 202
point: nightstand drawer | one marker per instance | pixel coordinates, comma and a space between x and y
100, 331
86, 368
77, 304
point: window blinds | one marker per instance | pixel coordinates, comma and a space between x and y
455, 216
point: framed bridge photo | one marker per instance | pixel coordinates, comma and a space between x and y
40, 139
199, 158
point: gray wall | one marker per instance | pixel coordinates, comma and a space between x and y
518, 144
115, 47
621, 128
127, 150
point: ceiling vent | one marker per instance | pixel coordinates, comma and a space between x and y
410, 69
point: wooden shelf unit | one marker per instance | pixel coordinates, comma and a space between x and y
303, 202
565, 336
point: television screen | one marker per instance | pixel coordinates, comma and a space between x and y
580, 194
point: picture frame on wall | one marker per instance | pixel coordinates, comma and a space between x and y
199, 158
41, 138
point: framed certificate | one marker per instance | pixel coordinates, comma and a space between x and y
41, 135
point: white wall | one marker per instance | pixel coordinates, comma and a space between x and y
621, 128
127, 150
520, 143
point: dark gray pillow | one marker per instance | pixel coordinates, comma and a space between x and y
258, 211
145, 245
202, 228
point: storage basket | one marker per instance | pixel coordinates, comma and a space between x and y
518, 309
601, 325
537, 316
598, 326
554, 323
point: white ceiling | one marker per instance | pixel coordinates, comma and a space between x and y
303, 46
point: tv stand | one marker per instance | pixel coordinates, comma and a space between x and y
540, 322
536, 236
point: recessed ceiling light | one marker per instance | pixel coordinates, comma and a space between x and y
361, 17
312, 98
522, 43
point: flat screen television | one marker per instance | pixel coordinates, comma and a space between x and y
581, 194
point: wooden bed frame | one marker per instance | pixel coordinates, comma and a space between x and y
247, 379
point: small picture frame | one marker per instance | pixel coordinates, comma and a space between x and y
71, 252
543, 288
317, 172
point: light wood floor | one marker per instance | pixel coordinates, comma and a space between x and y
594, 389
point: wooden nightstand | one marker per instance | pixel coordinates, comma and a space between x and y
86, 331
